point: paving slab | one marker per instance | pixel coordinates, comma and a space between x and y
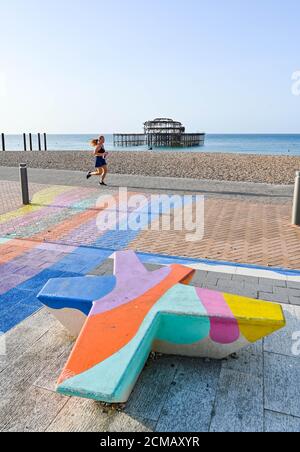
31, 410
122, 423
281, 380
191, 398
185, 411
23, 336
295, 301
151, 391
281, 423
282, 341
249, 361
239, 403
274, 298
80, 415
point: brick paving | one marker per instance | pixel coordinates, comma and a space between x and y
10, 195
238, 231
235, 231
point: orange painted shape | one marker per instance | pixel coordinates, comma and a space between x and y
59, 230
15, 248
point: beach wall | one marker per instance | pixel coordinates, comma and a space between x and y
227, 167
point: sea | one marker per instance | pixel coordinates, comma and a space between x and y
214, 143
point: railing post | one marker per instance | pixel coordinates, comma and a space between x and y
24, 184
39, 142
3, 141
296, 205
30, 142
24, 141
45, 141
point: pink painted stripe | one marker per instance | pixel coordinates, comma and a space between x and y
51, 255
224, 326
61, 201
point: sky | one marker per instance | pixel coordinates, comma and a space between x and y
82, 66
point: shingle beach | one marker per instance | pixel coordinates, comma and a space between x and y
223, 167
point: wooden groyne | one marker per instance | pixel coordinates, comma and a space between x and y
42, 142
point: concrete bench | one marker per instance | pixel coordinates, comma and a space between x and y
136, 312
70, 300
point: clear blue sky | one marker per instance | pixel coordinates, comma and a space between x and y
108, 65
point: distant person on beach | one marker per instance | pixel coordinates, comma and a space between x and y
100, 164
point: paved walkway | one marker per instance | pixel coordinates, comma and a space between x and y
57, 236
244, 190
244, 223
257, 391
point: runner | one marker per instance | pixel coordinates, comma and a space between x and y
100, 164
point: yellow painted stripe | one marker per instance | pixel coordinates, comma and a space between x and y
256, 318
39, 201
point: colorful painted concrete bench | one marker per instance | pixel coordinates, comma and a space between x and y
121, 319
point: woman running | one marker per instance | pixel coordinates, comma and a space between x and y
100, 165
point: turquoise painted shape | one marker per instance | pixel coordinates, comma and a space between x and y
2, 241
76, 293
178, 317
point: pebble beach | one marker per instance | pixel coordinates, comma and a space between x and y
222, 167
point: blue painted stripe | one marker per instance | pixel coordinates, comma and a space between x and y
19, 303
165, 259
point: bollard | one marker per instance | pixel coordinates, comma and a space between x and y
296, 205
39, 142
24, 184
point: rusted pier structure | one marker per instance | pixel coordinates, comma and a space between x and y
161, 132
129, 139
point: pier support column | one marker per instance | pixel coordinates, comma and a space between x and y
296, 205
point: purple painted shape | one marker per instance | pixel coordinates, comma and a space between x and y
84, 234
126, 291
41, 257
224, 326
127, 265
62, 249
15, 279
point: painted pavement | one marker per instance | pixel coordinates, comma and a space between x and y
57, 236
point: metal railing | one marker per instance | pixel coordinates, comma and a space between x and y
28, 142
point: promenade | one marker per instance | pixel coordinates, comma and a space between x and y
249, 248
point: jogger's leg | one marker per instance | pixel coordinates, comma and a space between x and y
98, 172
104, 174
